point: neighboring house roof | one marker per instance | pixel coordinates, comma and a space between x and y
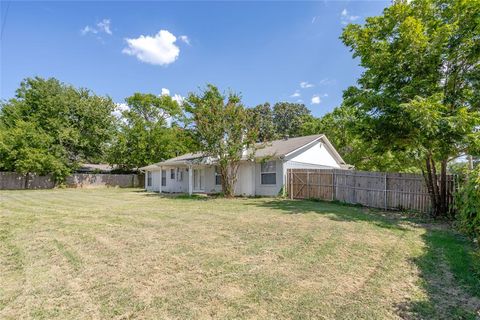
93, 167
273, 149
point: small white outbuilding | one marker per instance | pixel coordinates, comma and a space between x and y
264, 174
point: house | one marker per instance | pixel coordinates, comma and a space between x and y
264, 175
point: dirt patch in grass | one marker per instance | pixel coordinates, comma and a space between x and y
119, 253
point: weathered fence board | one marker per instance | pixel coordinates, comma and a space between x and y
17, 181
391, 191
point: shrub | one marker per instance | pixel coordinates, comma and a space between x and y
467, 202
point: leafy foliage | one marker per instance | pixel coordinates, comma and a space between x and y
50, 127
261, 117
341, 128
289, 117
419, 91
144, 136
467, 201
222, 131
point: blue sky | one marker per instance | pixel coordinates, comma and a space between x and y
267, 51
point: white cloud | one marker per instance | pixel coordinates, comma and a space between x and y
178, 98
347, 18
314, 19
165, 92
316, 99
296, 94
159, 49
185, 39
104, 26
305, 84
101, 27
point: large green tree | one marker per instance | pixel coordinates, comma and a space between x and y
221, 128
149, 130
419, 92
340, 126
261, 118
49, 127
289, 117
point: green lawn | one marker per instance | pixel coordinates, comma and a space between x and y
124, 254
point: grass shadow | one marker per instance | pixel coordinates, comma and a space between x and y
340, 212
449, 266
450, 276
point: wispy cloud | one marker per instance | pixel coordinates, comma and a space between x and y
305, 84
185, 39
159, 49
314, 19
296, 94
101, 27
346, 17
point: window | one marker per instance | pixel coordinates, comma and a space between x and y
164, 178
149, 178
218, 176
172, 174
179, 174
268, 172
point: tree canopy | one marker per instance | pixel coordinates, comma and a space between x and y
222, 131
49, 127
419, 92
149, 131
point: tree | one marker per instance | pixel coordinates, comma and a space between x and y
145, 135
288, 118
419, 92
49, 127
220, 126
261, 118
340, 126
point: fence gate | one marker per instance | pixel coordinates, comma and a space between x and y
395, 191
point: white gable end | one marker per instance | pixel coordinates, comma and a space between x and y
317, 154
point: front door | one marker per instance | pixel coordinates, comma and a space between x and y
198, 180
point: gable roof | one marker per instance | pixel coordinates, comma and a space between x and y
276, 149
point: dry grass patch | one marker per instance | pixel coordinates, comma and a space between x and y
113, 253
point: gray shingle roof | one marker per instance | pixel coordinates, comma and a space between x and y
277, 149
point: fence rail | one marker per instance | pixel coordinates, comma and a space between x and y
389, 191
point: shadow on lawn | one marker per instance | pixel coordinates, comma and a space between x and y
449, 269
449, 266
339, 212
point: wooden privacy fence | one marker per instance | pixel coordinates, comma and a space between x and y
390, 191
18, 181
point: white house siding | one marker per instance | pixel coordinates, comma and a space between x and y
246, 179
173, 185
317, 154
268, 189
210, 186
155, 181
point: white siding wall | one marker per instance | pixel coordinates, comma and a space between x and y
155, 181
317, 154
268, 189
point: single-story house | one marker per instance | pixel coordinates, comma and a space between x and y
264, 174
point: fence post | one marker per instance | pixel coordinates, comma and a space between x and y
308, 184
385, 192
334, 189
291, 183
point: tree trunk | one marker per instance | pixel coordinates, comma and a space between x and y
437, 188
229, 179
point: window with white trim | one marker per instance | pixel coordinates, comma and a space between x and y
179, 174
218, 176
164, 178
172, 174
149, 178
268, 171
